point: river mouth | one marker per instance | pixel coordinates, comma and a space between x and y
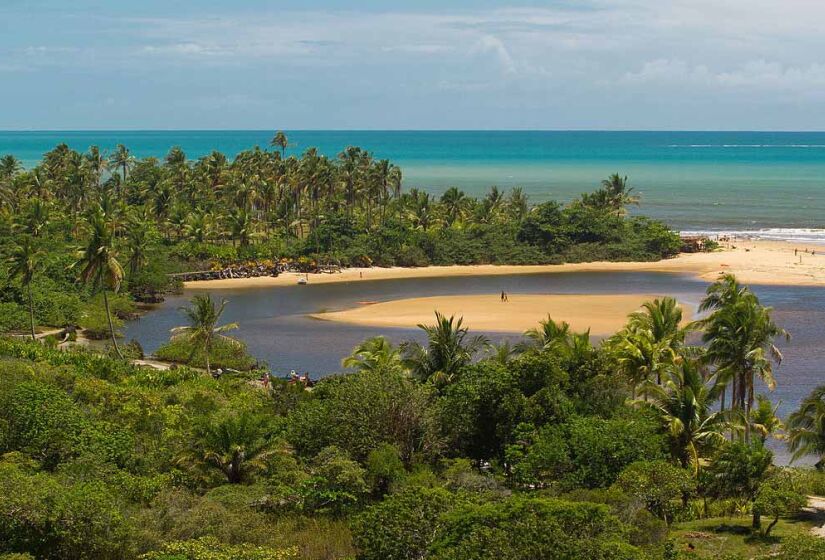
277, 324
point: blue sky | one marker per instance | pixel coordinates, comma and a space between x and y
425, 64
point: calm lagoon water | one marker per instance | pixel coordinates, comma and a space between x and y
275, 325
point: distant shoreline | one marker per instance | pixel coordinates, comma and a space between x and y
753, 262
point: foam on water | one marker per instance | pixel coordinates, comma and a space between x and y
807, 235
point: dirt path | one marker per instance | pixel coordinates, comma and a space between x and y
148, 362
815, 511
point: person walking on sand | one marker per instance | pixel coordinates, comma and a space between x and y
502, 296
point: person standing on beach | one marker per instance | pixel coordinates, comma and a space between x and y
502, 295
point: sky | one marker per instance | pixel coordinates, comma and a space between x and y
423, 64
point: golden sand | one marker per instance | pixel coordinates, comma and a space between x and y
602, 314
753, 262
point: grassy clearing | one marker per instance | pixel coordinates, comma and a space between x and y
732, 536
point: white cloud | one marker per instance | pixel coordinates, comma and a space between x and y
752, 74
185, 49
491, 44
556, 60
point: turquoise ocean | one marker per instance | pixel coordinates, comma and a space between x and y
766, 184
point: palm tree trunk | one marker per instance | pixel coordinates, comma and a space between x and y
31, 311
111, 325
206, 352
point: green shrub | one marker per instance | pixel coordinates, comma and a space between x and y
13, 317
224, 354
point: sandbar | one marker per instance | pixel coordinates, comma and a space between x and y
603, 314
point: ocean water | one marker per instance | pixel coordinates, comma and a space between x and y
767, 184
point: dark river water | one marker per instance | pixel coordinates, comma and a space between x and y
275, 326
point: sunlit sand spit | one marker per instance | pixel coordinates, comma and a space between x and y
603, 314
753, 262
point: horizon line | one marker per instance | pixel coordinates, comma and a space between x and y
651, 130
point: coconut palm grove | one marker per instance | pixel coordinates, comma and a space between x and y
655, 443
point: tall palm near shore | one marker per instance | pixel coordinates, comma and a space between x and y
122, 159
683, 402
24, 263
619, 195
96, 163
449, 348
651, 342
455, 204
99, 265
280, 141
203, 329
806, 427
740, 336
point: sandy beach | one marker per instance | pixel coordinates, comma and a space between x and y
753, 262
602, 314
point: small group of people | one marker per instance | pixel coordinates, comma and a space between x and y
304, 379
504, 296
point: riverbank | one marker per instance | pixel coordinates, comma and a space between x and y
753, 262
603, 314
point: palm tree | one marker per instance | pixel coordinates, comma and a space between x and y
374, 354
503, 352
37, 217
764, 420
198, 226
280, 140
96, 163
203, 328
491, 205
99, 265
235, 444
240, 227
24, 263
618, 193
651, 342
449, 349
557, 338
122, 159
806, 427
137, 240
455, 204
517, 204
549, 335
9, 167
740, 334
683, 402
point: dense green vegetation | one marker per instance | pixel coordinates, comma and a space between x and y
641, 447
86, 226
638, 447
